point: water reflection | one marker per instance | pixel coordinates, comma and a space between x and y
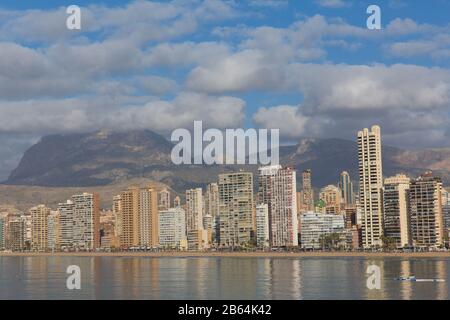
220, 278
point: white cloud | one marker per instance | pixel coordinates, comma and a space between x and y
332, 3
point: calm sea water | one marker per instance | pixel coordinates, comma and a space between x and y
220, 278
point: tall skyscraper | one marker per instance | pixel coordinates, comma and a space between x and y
212, 210
86, 221
371, 184
163, 199
39, 229
177, 202
446, 209
2, 232
236, 208
129, 217
396, 209
137, 212
148, 217
66, 212
427, 223
346, 186
307, 194
278, 189
117, 212
54, 231
262, 226
194, 209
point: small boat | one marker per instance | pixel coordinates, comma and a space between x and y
414, 279
411, 278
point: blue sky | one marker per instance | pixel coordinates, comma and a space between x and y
308, 68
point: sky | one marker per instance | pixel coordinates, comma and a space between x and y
309, 68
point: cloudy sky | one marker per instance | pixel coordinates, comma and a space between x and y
309, 68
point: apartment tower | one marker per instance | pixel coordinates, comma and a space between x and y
370, 184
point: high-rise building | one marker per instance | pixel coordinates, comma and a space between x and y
396, 209
117, 212
194, 209
39, 227
2, 231
346, 186
86, 221
54, 231
446, 209
236, 208
277, 189
148, 217
331, 196
307, 194
172, 228
15, 233
129, 218
371, 184
177, 202
315, 226
262, 226
66, 212
427, 223
163, 199
212, 209
137, 217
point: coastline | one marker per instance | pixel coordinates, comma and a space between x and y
233, 254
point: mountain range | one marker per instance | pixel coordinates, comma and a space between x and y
104, 158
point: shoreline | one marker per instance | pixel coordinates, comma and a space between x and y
232, 254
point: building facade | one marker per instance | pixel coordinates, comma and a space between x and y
346, 186
262, 226
396, 209
315, 226
278, 189
427, 222
371, 184
39, 228
236, 207
172, 228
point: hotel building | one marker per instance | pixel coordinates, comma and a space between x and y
371, 184
39, 227
262, 226
236, 208
427, 223
277, 189
396, 209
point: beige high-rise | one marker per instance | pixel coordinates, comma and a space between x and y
396, 209
130, 218
138, 217
370, 185
236, 208
39, 227
194, 209
148, 217
427, 222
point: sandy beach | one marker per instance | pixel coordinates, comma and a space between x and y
234, 254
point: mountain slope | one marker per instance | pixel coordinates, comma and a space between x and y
103, 158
